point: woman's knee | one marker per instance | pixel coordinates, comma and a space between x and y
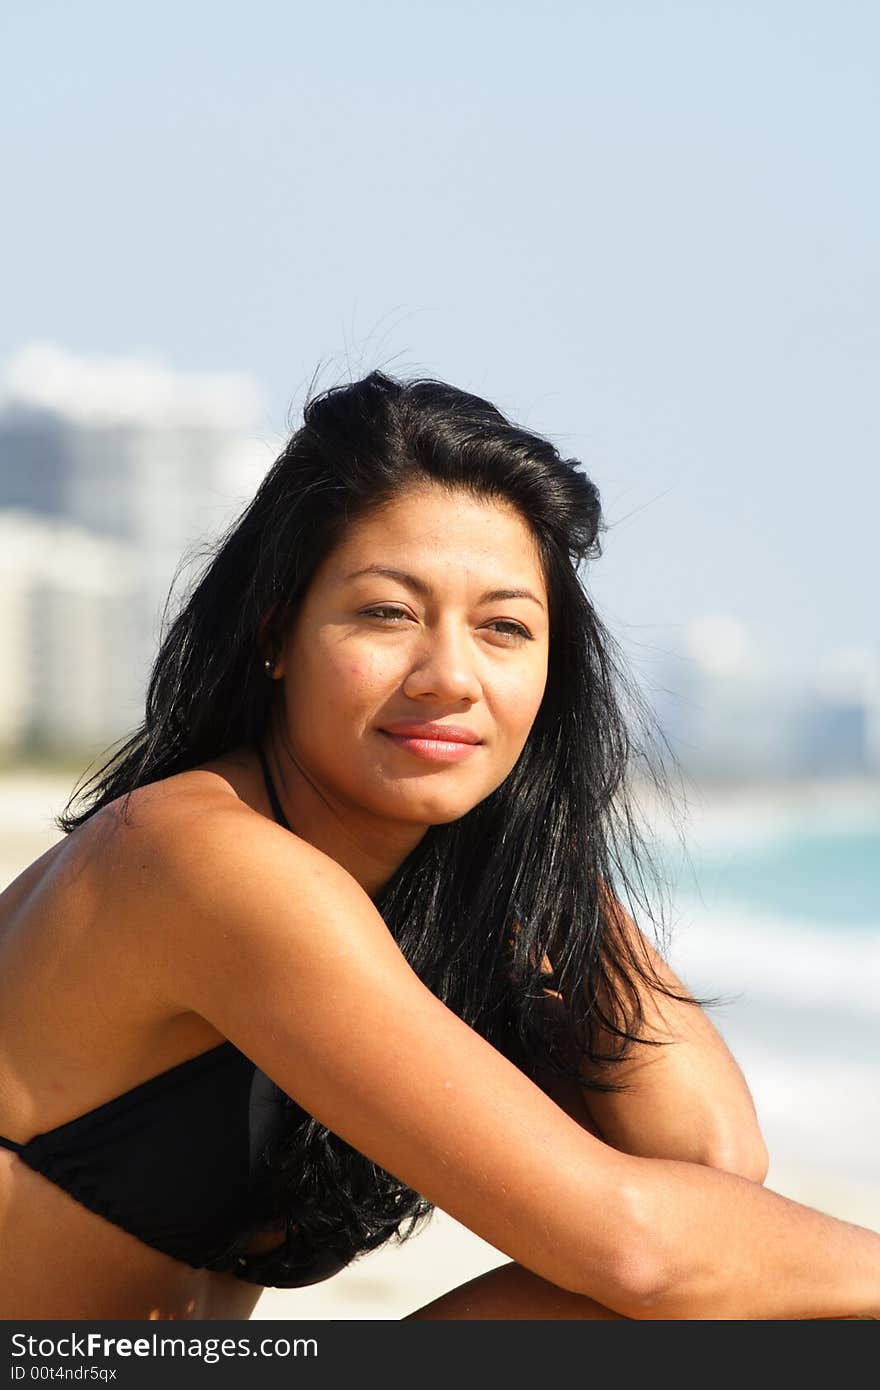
511, 1292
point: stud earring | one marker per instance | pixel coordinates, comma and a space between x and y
267, 666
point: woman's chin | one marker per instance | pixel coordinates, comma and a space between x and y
434, 810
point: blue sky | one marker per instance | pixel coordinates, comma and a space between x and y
647, 230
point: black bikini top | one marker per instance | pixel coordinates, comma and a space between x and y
180, 1162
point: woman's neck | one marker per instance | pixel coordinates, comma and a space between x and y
369, 849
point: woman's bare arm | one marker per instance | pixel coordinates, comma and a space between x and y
686, 1099
282, 951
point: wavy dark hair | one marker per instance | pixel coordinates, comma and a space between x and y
528, 879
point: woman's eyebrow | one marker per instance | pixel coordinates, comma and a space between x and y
419, 586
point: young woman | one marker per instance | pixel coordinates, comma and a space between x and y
339, 933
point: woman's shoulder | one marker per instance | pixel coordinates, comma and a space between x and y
179, 828
169, 811
189, 849
216, 893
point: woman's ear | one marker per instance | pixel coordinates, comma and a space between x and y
272, 663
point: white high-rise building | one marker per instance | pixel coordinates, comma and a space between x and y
73, 663
113, 472
723, 709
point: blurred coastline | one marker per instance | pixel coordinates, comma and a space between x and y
772, 908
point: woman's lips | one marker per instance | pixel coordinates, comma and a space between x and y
433, 749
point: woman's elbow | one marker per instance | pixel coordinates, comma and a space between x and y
635, 1271
743, 1154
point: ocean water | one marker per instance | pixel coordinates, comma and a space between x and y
776, 907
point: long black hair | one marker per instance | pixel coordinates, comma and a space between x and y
517, 901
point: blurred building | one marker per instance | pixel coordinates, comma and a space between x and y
112, 473
842, 723
832, 736
115, 471
727, 712
872, 733
73, 661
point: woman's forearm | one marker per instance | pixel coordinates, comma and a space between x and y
720, 1246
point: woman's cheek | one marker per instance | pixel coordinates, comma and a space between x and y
362, 675
521, 699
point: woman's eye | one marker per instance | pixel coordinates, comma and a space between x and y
506, 628
511, 631
385, 613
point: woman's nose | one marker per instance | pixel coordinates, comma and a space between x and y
445, 669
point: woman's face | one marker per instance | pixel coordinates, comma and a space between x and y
425, 627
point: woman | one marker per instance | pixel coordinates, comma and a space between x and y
339, 933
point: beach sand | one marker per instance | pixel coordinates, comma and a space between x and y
394, 1281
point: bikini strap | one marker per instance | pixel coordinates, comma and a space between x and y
273, 795
11, 1144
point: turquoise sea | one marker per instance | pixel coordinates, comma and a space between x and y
822, 875
776, 907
